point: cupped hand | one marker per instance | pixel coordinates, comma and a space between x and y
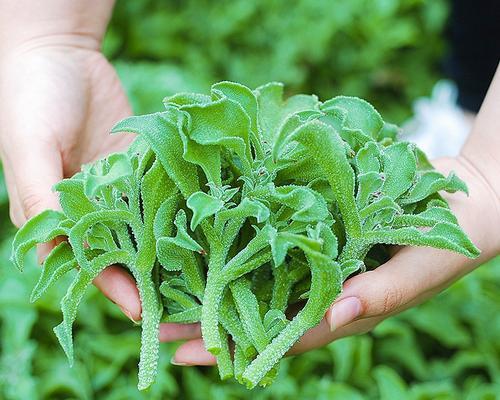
411, 276
59, 98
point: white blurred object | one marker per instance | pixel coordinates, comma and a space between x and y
439, 126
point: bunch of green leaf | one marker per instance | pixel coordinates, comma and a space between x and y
237, 208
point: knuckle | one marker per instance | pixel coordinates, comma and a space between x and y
392, 299
30, 203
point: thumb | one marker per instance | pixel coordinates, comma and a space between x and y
37, 168
407, 279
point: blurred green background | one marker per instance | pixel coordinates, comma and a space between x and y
387, 51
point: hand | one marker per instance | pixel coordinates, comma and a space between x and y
59, 99
411, 276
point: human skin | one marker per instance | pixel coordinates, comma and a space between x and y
59, 98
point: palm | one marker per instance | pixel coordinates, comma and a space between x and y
69, 98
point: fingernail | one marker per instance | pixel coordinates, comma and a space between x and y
128, 314
179, 364
344, 312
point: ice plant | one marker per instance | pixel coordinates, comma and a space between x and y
231, 207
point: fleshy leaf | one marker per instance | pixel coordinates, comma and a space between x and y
174, 258
281, 242
307, 204
163, 222
162, 135
273, 110
40, 229
183, 99
182, 238
400, 167
429, 217
189, 316
431, 182
101, 237
118, 167
325, 286
291, 183
274, 322
248, 309
183, 299
383, 203
232, 324
443, 235
75, 293
203, 206
241, 95
360, 114
349, 267
170, 255
74, 202
324, 234
388, 132
369, 187
59, 261
222, 122
368, 159
327, 148
247, 208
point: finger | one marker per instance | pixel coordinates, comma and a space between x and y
15, 210
36, 168
172, 332
367, 299
408, 278
321, 334
43, 250
35, 173
17, 215
193, 353
118, 286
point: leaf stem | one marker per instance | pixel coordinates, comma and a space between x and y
150, 343
354, 249
325, 285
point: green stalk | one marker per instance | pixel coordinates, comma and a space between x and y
77, 233
224, 362
325, 286
151, 315
214, 291
75, 293
281, 288
235, 271
248, 309
180, 297
151, 307
354, 249
216, 283
188, 316
232, 324
241, 361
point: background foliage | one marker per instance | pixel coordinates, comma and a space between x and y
387, 51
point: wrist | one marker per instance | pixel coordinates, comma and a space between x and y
478, 212
26, 24
481, 150
484, 196
484, 163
